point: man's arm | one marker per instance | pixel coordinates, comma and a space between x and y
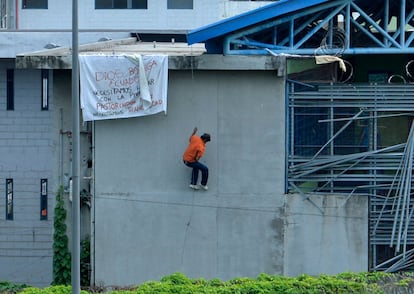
194, 132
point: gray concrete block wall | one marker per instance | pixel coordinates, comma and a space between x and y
26, 156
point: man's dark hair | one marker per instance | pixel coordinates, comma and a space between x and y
205, 137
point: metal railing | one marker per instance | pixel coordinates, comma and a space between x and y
359, 140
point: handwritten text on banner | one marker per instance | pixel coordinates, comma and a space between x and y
121, 86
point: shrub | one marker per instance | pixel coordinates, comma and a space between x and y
61, 289
85, 259
345, 283
61, 254
7, 287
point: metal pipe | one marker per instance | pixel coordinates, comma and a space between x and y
76, 153
386, 17
337, 133
402, 23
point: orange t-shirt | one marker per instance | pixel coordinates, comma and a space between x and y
196, 147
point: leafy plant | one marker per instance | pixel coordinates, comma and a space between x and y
85, 260
346, 283
61, 289
61, 254
7, 287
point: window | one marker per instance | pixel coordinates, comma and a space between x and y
9, 199
34, 4
180, 4
10, 89
43, 199
45, 89
120, 4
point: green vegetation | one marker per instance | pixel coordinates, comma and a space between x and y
61, 289
345, 283
85, 259
61, 254
7, 287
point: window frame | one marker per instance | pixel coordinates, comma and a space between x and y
9, 199
43, 199
180, 4
41, 4
10, 89
129, 4
45, 89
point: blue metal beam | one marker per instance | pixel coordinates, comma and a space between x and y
311, 51
296, 27
320, 25
249, 18
229, 39
372, 37
374, 24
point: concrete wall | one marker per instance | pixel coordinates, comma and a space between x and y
63, 161
231, 8
27, 152
149, 223
38, 27
155, 17
326, 234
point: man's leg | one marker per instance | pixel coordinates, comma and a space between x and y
194, 175
204, 173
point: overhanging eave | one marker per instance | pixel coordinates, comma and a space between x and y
201, 62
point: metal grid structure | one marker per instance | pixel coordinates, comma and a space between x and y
326, 27
358, 140
318, 27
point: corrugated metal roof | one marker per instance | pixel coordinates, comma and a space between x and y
249, 18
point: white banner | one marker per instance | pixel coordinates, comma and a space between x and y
121, 86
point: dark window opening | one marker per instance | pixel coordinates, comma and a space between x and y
180, 4
121, 4
34, 4
43, 199
9, 199
10, 89
45, 89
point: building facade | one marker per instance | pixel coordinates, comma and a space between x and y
36, 120
299, 156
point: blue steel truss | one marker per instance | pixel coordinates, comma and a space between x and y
336, 27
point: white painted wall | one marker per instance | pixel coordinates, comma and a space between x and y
39, 27
155, 17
